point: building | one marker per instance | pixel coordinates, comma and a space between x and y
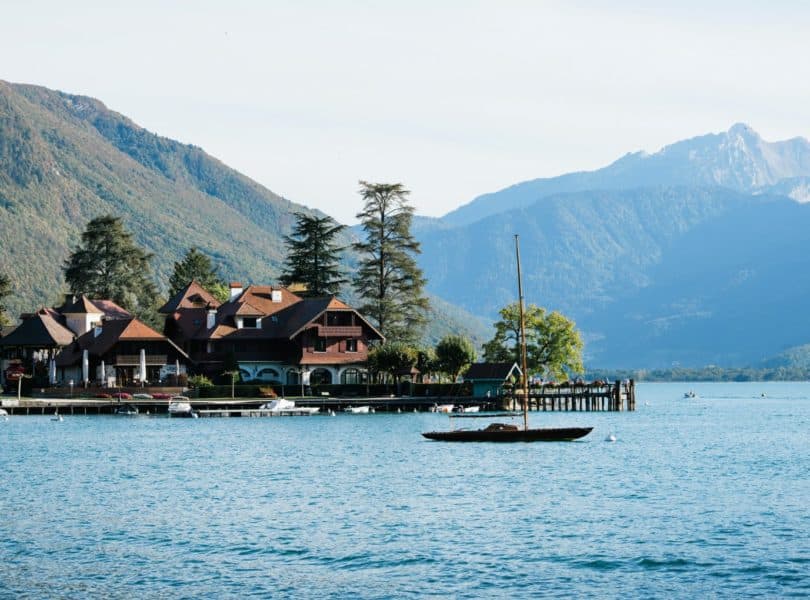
488, 379
271, 335
93, 341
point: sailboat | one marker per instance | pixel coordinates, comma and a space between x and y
502, 432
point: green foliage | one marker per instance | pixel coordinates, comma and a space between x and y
454, 354
553, 344
313, 255
199, 381
197, 266
109, 265
5, 290
393, 358
388, 280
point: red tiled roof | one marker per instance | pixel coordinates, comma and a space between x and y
81, 305
190, 296
331, 359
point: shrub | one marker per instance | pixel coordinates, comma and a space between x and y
199, 381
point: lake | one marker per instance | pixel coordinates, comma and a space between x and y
696, 497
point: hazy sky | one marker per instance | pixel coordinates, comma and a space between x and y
453, 99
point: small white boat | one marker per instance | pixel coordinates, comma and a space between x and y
180, 406
443, 408
690, 394
142, 396
357, 410
284, 406
469, 409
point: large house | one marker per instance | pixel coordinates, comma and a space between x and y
272, 334
92, 341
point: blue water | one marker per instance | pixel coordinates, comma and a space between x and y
696, 498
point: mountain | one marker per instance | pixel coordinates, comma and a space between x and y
695, 255
65, 159
738, 159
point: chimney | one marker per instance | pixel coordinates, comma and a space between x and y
97, 330
275, 296
236, 290
211, 318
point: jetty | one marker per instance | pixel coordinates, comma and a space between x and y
572, 396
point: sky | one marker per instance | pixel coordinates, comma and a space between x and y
452, 99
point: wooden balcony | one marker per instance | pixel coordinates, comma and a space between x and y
347, 331
133, 360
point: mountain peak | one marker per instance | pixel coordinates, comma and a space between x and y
742, 129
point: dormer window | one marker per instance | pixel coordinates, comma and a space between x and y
248, 322
320, 344
351, 345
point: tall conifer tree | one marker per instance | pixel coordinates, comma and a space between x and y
388, 279
197, 266
313, 256
108, 265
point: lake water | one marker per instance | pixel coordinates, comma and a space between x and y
699, 497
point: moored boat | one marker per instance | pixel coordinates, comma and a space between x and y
180, 406
283, 406
357, 410
500, 432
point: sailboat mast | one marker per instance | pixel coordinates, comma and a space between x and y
523, 366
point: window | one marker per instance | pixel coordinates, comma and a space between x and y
320, 344
351, 345
249, 322
353, 376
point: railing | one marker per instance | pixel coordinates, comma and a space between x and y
340, 330
133, 360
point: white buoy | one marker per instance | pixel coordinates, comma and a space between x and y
610, 438
331, 413
399, 410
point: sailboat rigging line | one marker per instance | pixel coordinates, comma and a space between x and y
523, 360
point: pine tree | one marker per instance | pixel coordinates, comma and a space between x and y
108, 265
197, 266
313, 256
388, 279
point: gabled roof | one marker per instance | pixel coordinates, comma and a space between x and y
80, 305
487, 370
111, 333
40, 329
112, 310
248, 310
192, 296
310, 309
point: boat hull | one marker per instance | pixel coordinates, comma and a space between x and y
562, 434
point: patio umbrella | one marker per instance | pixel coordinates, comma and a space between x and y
103, 374
143, 366
52, 371
85, 367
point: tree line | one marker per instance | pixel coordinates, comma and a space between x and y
387, 279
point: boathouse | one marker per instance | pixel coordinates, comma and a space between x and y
488, 378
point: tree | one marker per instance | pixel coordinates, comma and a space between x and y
197, 266
388, 279
5, 290
454, 353
107, 264
394, 358
553, 344
313, 256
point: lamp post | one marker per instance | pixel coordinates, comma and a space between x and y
19, 384
233, 375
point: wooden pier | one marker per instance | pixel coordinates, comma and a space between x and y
594, 396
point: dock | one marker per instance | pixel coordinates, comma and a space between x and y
595, 396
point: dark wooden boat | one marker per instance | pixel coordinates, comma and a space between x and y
500, 432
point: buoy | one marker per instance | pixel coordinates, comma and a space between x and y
610, 438
331, 413
399, 410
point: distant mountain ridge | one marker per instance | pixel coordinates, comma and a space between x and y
738, 159
691, 256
